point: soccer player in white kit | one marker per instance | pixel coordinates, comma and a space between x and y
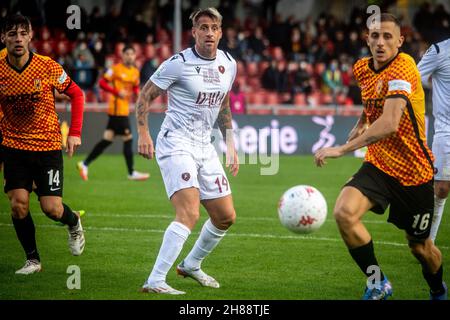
198, 81
436, 64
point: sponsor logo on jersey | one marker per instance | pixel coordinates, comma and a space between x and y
197, 69
210, 99
210, 76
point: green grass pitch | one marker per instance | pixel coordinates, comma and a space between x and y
257, 260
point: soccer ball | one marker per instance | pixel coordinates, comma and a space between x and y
302, 209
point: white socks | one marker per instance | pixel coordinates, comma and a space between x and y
173, 241
206, 242
438, 210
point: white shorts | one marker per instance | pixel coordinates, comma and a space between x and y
185, 165
441, 151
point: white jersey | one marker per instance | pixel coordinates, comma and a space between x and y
436, 63
196, 88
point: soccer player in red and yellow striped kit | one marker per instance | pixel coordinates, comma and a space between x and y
398, 168
31, 143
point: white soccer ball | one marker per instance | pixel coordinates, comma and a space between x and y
302, 209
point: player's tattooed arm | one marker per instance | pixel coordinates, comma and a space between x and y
146, 96
148, 93
226, 127
224, 118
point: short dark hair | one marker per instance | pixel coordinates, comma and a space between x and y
128, 47
386, 17
16, 20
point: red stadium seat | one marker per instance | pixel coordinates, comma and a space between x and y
272, 98
300, 99
252, 69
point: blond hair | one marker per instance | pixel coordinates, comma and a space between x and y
209, 12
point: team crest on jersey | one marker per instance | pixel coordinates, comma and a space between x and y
379, 86
210, 76
38, 84
186, 176
221, 69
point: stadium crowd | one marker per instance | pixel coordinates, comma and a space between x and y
280, 61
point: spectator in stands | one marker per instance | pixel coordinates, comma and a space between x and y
147, 70
82, 49
231, 44
332, 79
237, 99
256, 45
296, 47
423, 20
63, 56
300, 80
269, 77
83, 72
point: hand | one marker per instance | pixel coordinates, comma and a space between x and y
122, 94
145, 146
72, 144
232, 161
322, 154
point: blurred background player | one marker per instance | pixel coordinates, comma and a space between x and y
199, 80
3, 54
32, 137
398, 168
121, 81
435, 64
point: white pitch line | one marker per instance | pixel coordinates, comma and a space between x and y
160, 216
230, 234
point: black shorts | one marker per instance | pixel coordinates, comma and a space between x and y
1, 155
45, 168
411, 207
120, 125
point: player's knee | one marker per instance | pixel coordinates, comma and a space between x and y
344, 216
52, 209
442, 190
189, 215
19, 208
417, 249
227, 220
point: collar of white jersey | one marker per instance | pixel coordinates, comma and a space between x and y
201, 57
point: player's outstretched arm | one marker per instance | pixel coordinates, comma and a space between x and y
359, 127
145, 143
386, 125
226, 127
